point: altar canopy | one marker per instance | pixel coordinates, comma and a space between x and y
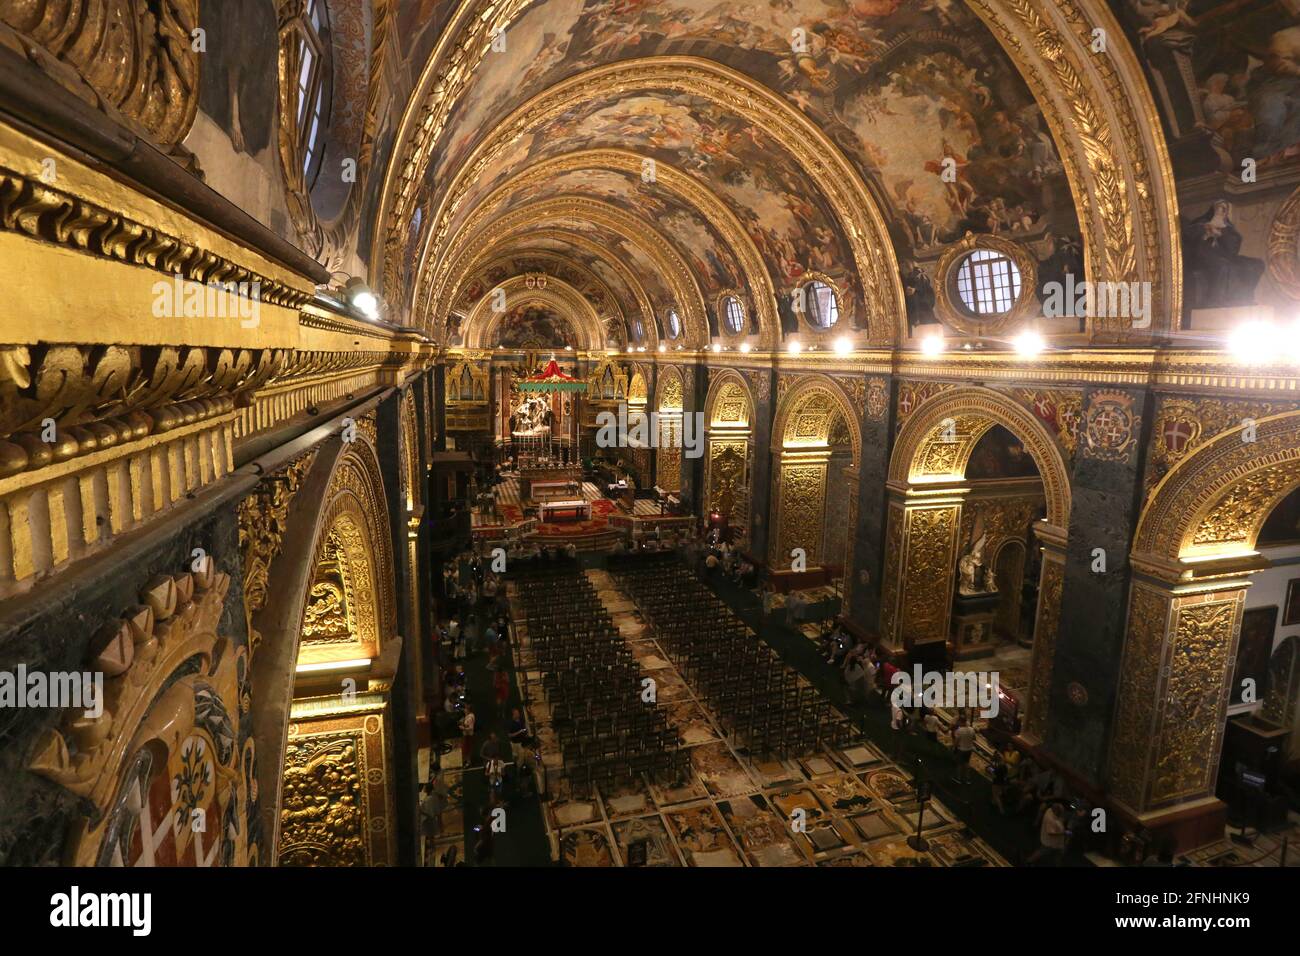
552, 379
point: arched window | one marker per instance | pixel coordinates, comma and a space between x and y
823, 306
674, 323
315, 81
638, 330
733, 314
987, 282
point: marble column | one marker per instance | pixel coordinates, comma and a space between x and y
1106, 486
864, 574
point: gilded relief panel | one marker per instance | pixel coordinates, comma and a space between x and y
1139, 695
336, 806
929, 562
802, 496
726, 479
1195, 699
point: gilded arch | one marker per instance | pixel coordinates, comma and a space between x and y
926, 470
1215, 500
479, 327
676, 182
728, 464
806, 416
672, 267
923, 454
859, 216
670, 404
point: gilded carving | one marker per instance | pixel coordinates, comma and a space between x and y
801, 497
323, 803
1043, 658
134, 60
1138, 696
928, 563
1110, 427
1194, 702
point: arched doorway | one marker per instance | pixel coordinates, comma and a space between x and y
1194, 556
728, 417
930, 491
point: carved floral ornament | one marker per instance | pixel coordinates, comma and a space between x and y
134, 60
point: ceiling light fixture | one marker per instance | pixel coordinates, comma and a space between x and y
1254, 342
844, 345
361, 298
1029, 343
932, 344
794, 347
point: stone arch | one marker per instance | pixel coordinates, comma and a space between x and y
482, 232
802, 447
683, 186
927, 469
859, 217
1214, 502
927, 451
338, 515
479, 327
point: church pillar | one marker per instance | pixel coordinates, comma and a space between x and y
695, 386
864, 563
1051, 579
760, 477
440, 407
404, 691
1172, 700
921, 541
1106, 487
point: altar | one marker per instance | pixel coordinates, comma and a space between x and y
573, 510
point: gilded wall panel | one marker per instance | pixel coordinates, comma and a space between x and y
1043, 658
929, 562
802, 496
1132, 738
1195, 700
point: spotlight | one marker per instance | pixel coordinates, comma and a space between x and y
717, 346
1253, 343
843, 345
794, 347
361, 298
1028, 343
744, 347
568, 348
663, 347
932, 344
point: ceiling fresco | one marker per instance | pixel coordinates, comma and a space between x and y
905, 89
785, 215
1225, 75
694, 238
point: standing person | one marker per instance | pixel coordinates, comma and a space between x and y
856, 674
1051, 835
870, 675
1001, 779
467, 740
930, 722
963, 745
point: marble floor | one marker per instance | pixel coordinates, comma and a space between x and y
851, 807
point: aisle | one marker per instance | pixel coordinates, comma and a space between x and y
524, 842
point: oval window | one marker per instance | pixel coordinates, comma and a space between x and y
733, 314
674, 324
823, 306
987, 282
